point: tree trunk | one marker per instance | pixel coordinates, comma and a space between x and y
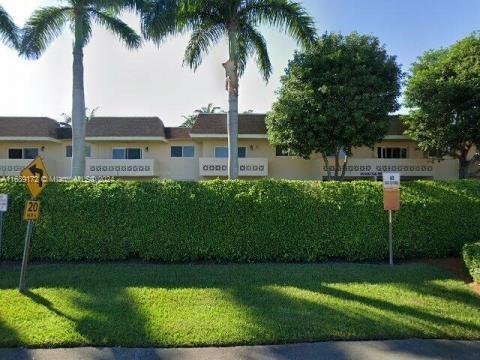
78, 109
232, 126
337, 165
344, 166
325, 161
463, 169
231, 70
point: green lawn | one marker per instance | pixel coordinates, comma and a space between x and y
186, 305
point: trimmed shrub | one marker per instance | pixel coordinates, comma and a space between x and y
471, 256
241, 221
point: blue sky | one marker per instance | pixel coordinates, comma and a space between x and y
153, 82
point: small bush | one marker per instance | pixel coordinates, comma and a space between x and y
471, 256
241, 221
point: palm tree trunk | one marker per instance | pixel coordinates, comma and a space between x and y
231, 68
232, 125
78, 110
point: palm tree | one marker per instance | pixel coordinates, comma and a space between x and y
47, 23
8, 29
209, 109
189, 120
238, 21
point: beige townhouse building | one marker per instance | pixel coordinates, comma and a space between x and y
143, 148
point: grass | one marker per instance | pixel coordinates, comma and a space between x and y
195, 305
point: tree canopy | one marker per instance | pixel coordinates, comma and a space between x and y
335, 96
443, 94
8, 30
47, 23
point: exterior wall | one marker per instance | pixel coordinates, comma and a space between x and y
53, 153
164, 165
279, 167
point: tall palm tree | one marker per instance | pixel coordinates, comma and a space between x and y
8, 29
238, 21
47, 23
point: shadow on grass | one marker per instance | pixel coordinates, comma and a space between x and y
114, 304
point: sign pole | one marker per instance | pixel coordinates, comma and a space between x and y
26, 253
391, 203
36, 179
3, 208
1, 232
390, 235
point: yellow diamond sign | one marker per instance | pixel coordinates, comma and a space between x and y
35, 176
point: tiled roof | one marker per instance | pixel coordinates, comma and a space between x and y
125, 127
28, 127
217, 124
177, 133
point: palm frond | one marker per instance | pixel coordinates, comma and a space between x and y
118, 5
124, 32
42, 28
9, 32
193, 13
159, 18
81, 28
203, 37
259, 47
286, 15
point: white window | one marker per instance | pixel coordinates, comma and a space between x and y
22, 153
68, 151
182, 151
392, 153
222, 152
127, 153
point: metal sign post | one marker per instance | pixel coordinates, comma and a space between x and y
391, 203
36, 179
390, 235
26, 254
3, 208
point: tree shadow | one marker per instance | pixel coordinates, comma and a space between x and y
9, 336
112, 304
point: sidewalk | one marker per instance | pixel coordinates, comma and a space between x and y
357, 350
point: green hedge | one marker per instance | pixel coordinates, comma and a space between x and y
471, 256
241, 221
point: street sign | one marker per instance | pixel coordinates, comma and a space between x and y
391, 191
391, 202
3, 202
391, 180
35, 176
32, 210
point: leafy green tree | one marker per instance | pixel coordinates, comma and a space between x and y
239, 22
209, 109
8, 30
443, 94
47, 23
334, 97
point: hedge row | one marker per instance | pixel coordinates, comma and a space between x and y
471, 256
241, 221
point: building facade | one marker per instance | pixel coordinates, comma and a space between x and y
143, 148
